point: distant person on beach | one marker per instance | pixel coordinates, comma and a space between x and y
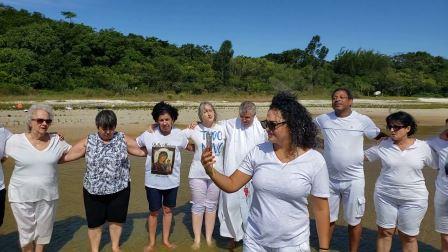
204, 192
343, 131
400, 197
284, 170
5, 134
440, 146
33, 187
106, 185
161, 187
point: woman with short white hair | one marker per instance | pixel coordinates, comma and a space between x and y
33, 188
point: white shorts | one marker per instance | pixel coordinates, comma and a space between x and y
249, 245
441, 212
405, 214
34, 220
353, 201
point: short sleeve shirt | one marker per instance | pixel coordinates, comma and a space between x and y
401, 174
441, 148
343, 143
278, 216
4, 135
164, 158
35, 175
198, 136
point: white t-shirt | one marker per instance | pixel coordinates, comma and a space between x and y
343, 143
441, 148
401, 174
278, 216
218, 141
4, 135
35, 175
167, 174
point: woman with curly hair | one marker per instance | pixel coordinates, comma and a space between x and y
284, 170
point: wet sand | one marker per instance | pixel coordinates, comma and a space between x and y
70, 231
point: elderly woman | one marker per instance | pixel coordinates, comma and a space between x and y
400, 197
4, 135
204, 192
161, 186
33, 188
284, 172
107, 179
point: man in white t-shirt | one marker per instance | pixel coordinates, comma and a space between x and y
4, 135
343, 131
243, 134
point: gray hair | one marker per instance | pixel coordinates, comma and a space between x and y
248, 106
201, 110
106, 119
38, 106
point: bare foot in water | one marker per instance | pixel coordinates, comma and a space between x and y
117, 249
196, 246
149, 248
210, 243
169, 245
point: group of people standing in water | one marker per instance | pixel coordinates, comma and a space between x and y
256, 176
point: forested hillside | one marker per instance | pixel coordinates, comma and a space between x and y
37, 53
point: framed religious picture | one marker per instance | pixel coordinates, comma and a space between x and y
162, 160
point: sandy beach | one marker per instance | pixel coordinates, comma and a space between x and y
70, 231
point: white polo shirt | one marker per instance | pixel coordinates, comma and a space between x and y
343, 143
4, 135
401, 174
198, 135
175, 141
441, 148
278, 216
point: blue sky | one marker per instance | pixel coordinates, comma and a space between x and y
260, 27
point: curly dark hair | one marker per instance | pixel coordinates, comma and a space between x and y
299, 121
162, 108
405, 119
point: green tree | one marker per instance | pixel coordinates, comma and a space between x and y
68, 15
222, 60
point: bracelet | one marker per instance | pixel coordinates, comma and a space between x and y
324, 248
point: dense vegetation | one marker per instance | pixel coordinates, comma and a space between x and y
37, 53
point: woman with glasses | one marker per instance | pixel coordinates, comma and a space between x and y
106, 185
440, 146
400, 197
284, 172
33, 188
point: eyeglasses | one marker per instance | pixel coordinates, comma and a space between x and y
40, 120
270, 124
395, 127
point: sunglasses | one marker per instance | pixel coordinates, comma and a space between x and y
270, 124
40, 120
395, 127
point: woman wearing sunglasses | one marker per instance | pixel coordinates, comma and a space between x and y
284, 172
400, 197
33, 188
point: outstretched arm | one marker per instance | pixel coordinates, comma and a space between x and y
76, 152
322, 214
228, 184
134, 149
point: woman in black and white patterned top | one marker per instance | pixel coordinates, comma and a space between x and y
106, 181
